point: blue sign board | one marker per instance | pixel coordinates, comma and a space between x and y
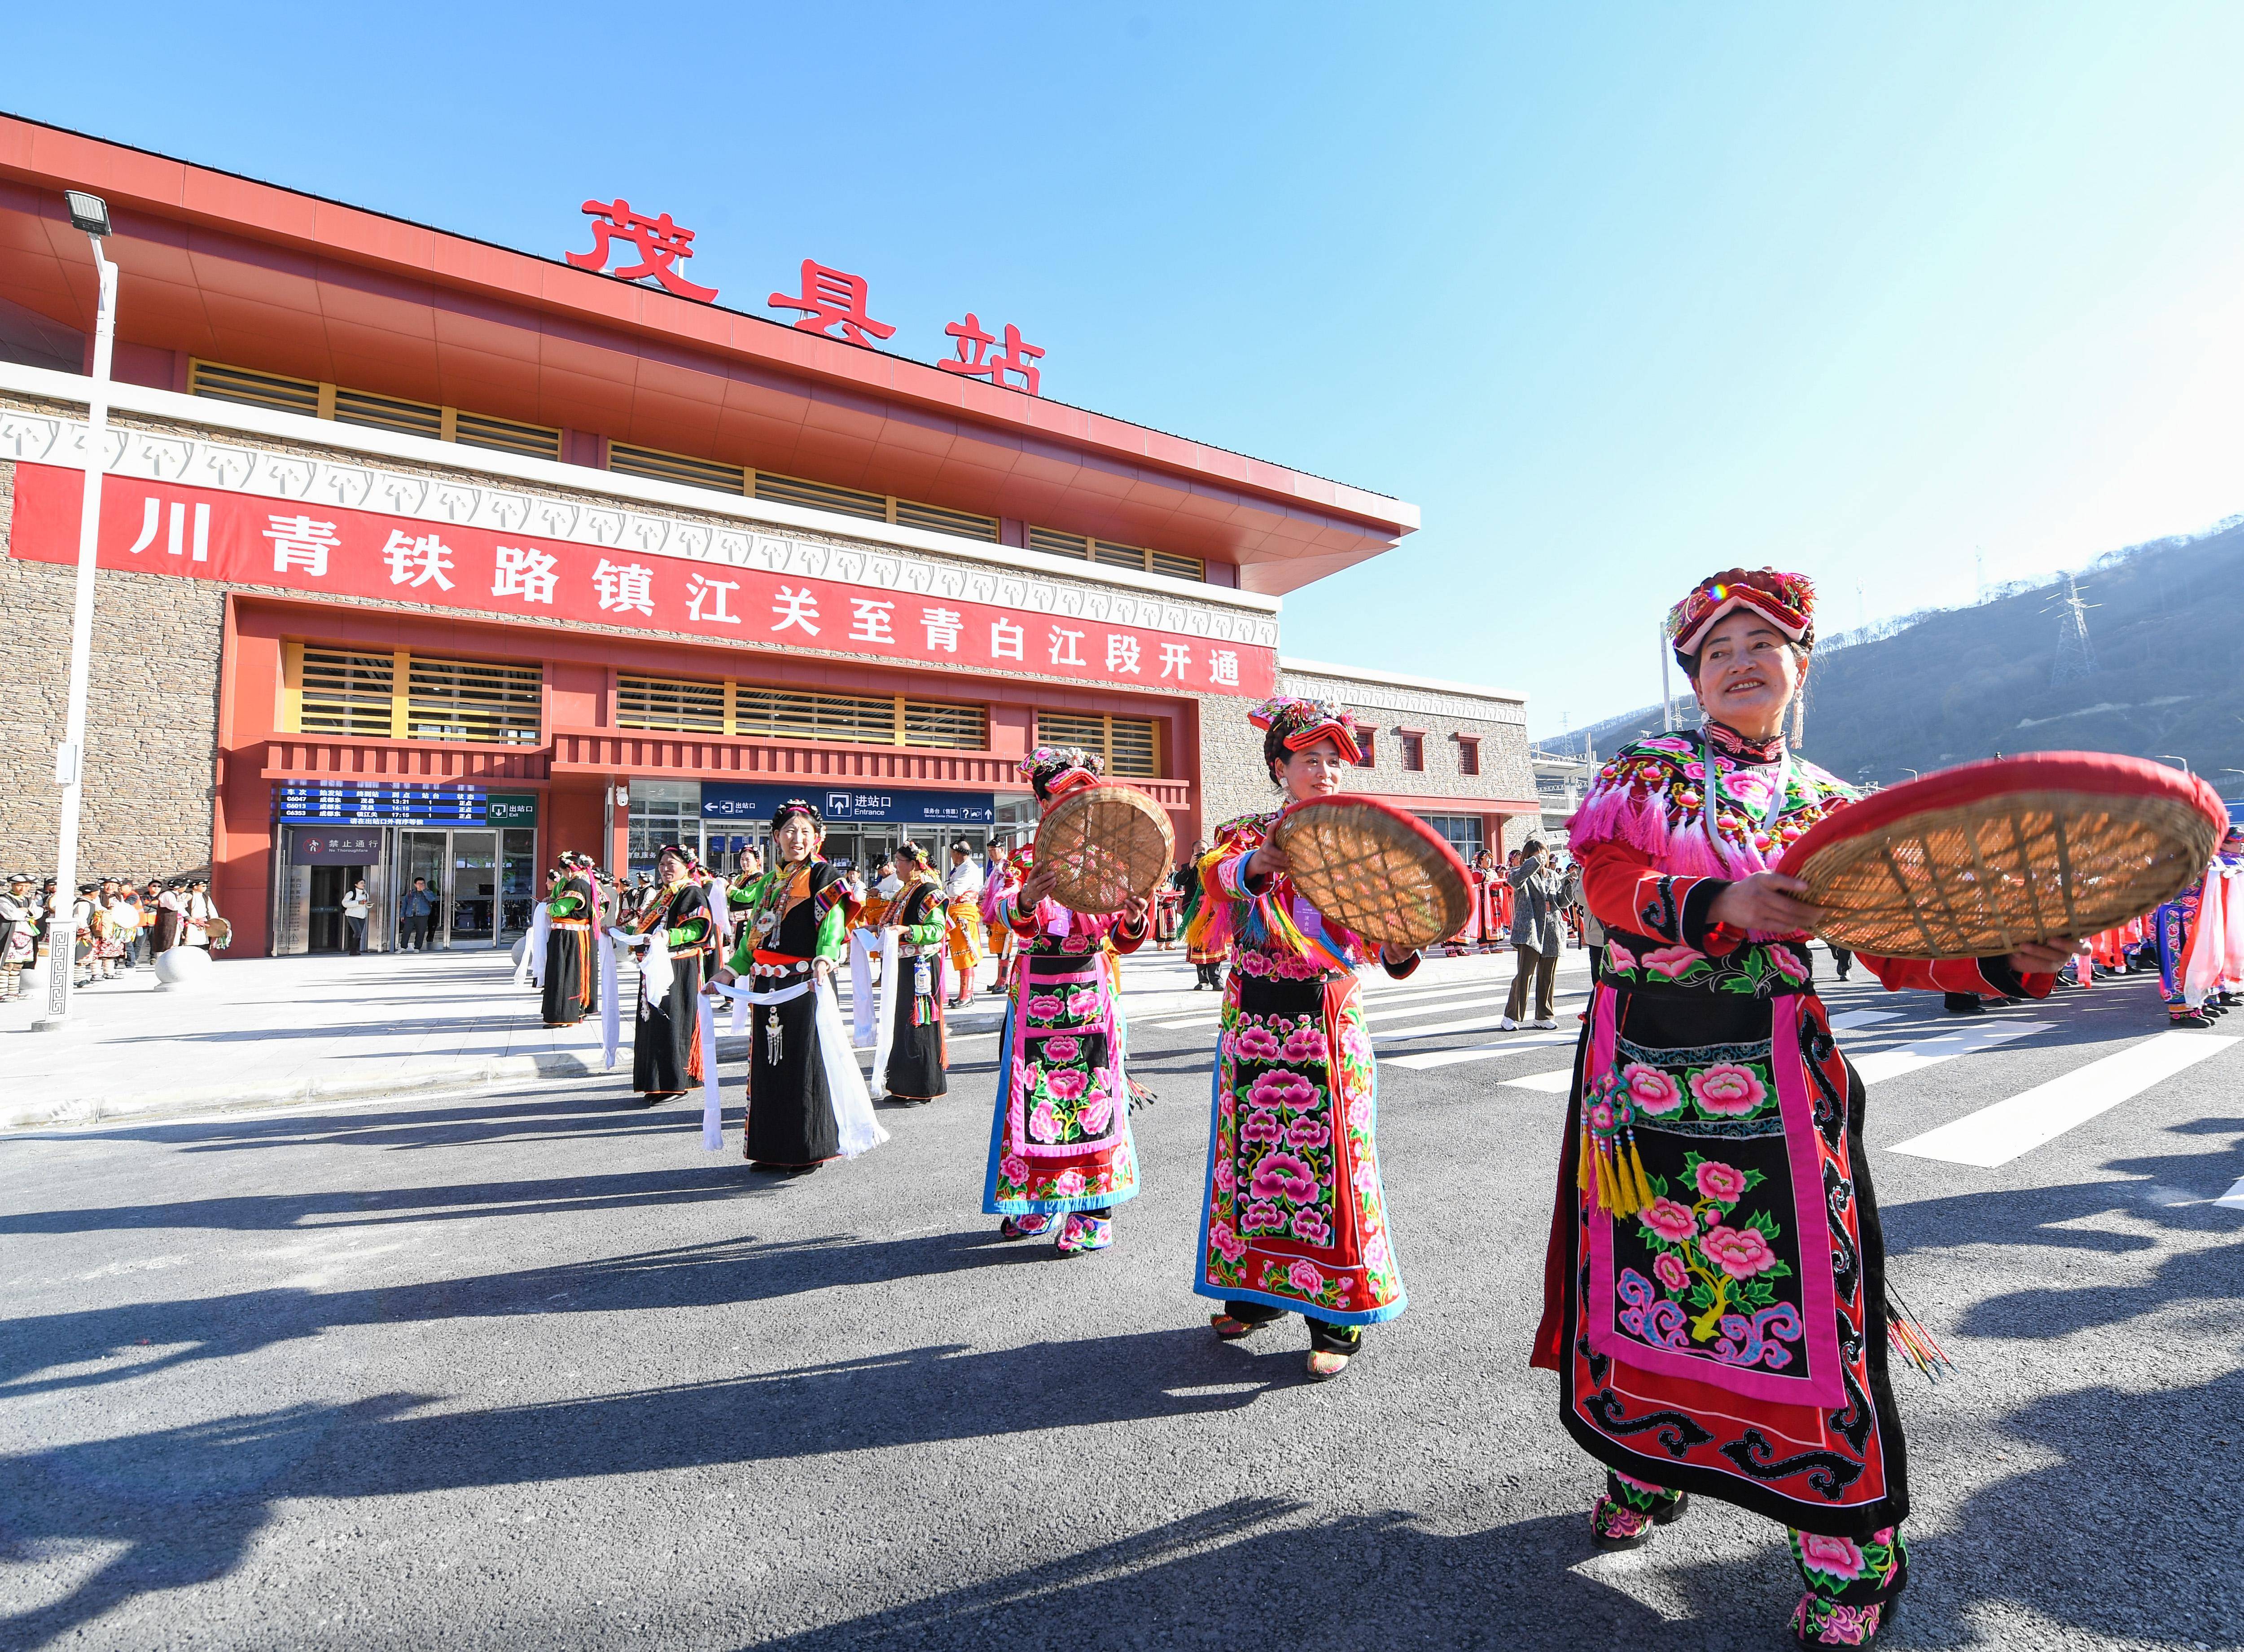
384, 802
857, 805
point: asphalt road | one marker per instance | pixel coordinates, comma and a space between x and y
531, 1370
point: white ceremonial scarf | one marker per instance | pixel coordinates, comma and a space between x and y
606, 940
713, 1097
884, 1035
862, 943
531, 971
854, 1126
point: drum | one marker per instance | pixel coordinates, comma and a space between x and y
1974, 861
221, 933
1375, 871
1113, 844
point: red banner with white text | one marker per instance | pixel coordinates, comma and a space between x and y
160, 527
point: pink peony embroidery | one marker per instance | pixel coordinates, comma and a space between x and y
1015, 1167
1083, 1002
1044, 1007
1619, 957
1365, 1177
1672, 1222
1067, 1083
1063, 1050
1729, 1089
1067, 1184
1787, 963
1220, 1236
1672, 1273
1375, 1251
1601, 1116
1359, 1114
1095, 1113
1724, 1183
1283, 1090
1263, 1214
1307, 1132
1043, 1123
1306, 1279
1227, 1177
1836, 1557
1253, 1043
1283, 1175
1311, 1228
1653, 1091
1739, 1252
1305, 1046
1262, 1127
1671, 961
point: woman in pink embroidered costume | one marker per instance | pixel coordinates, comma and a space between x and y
1294, 1217
1714, 1292
1060, 1144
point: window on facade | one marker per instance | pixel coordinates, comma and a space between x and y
1130, 744
1414, 751
1462, 832
315, 399
662, 811
1108, 554
400, 695
654, 464
1468, 755
697, 706
1367, 747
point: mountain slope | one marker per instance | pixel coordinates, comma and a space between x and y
2168, 628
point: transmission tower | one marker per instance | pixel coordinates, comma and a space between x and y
2076, 655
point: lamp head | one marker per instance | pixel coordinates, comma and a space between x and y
88, 213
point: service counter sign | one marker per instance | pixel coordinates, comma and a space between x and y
164, 527
724, 800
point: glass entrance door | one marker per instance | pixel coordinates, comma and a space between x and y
472, 902
420, 855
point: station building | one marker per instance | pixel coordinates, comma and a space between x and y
422, 557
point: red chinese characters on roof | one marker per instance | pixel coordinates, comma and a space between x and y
832, 297
975, 361
661, 243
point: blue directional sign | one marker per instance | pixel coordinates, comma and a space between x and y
893, 805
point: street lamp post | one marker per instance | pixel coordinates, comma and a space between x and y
2168, 757
90, 214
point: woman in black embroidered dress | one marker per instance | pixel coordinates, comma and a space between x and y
917, 1052
1714, 1290
667, 1047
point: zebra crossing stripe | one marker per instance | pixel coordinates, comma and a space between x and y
1994, 1135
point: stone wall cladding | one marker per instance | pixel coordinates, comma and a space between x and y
1233, 779
151, 716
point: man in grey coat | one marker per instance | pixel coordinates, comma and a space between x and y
1536, 892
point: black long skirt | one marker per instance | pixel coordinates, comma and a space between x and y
666, 1049
790, 1108
917, 1052
572, 986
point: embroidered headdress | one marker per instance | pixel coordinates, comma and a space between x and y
1054, 771
1786, 600
1298, 724
789, 809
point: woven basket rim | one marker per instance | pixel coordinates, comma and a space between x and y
1141, 805
1455, 888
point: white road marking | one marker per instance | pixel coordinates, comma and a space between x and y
1432, 1058
1944, 1046
1994, 1135
1846, 1018
1559, 1080
2233, 1199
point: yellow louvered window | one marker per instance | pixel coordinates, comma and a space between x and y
345, 406
662, 702
936, 519
821, 495
1109, 554
1131, 745
473, 700
786, 714
344, 693
932, 722
652, 464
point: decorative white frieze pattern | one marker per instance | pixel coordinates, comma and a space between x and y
1381, 696
197, 462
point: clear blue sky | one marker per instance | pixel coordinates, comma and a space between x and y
1617, 295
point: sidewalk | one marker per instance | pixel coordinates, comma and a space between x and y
278, 1032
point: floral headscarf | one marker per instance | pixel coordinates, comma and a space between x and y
1786, 600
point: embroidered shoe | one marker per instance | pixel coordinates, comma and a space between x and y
1816, 1622
1613, 1526
1079, 1233
2189, 1019
1024, 1226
